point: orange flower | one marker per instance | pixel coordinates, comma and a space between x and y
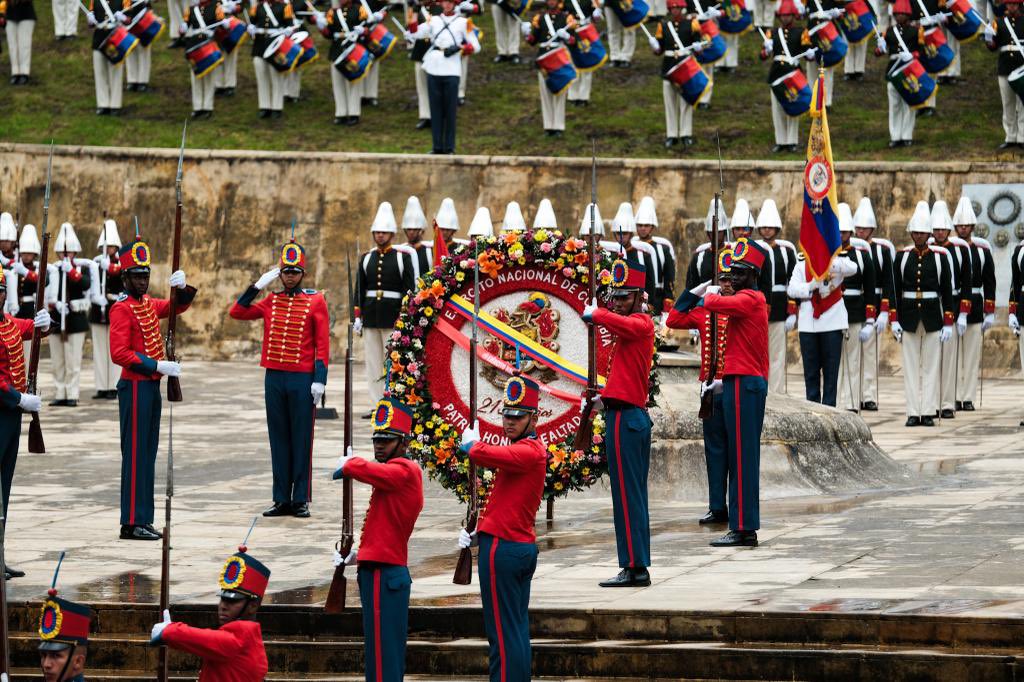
437, 289
582, 257
570, 245
489, 265
558, 458
395, 356
510, 237
443, 455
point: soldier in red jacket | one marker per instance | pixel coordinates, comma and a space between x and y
136, 345
296, 349
508, 553
628, 440
63, 636
395, 504
232, 652
745, 383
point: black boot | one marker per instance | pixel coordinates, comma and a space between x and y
300, 510
714, 516
927, 420
14, 572
422, 123
629, 577
736, 538
913, 421
279, 509
137, 533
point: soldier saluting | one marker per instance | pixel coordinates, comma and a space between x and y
296, 351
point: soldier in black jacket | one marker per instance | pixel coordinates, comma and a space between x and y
414, 222
960, 268
70, 280
632, 250
1000, 38
104, 16
26, 269
701, 264
1017, 297
785, 46
858, 297
882, 254
269, 19
195, 30
674, 38
20, 18
901, 116
549, 29
980, 293
923, 319
775, 276
105, 292
383, 277
665, 255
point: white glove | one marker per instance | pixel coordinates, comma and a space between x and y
347, 560
701, 289
961, 324
811, 54
589, 309
321, 22
988, 32
121, 16
835, 12
988, 321
881, 44
905, 56
19, 269
897, 331
352, 36
562, 34
177, 279
715, 387
105, 263
466, 539
288, 30
881, 322
41, 320
90, 18
1014, 324
342, 461
182, 29
790, 322
11, 306
267, 277
769, 46
597, 14
317, 390
713, 289
99, 300
357, 326
409, 37
61, 307
30, 403
168, 368
377, 17
945, 334
470, 436
655, 45
251, 30
928, 21
525, 28
65, 265
697, 47
663, 320
866, 331
466, 6
694, 335
154, 635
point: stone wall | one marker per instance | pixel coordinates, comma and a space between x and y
239, 205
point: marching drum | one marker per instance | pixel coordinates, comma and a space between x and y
858, 21
305, 42
353, 62
283, 54
1016, 80
965, 24
832, 45
118, 43
736, 17
588, 52
558, 70
146, 26
936, 54
230, 34
714, 44
912, 82
793, 92
204, 57
689, 79
380, 41
631, 12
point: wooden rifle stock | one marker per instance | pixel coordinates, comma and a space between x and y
173, 384
35, 429
707, 398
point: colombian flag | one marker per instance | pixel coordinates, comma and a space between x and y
819, 224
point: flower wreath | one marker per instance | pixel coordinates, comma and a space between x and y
435, 441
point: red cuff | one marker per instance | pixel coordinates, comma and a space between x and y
32, 276
869, 312
894, 315
947, 318
1013, 307
884, 305
114, 269
358, 312
74, 275
467, 49
791, 307
667, 305
990, 306
413, 27
965, 306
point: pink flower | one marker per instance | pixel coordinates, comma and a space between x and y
567, 272
413, 366
436, 406
545, 247
396, 335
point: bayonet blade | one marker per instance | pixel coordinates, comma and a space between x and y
49, 177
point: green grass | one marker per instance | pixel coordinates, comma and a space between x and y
502, 115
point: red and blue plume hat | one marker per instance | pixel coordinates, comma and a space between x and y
135, 256
627, 277
243, 577
293, 257
63, 624
748, 254
522, 395
391, 419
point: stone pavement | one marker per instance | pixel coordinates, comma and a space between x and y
950, 541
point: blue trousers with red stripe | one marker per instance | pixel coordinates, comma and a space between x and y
716, 446
506, 569
743, 401
628, 447
384, 595
139, 403
290, 416
10, 438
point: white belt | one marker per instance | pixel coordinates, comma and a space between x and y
777, 288
978, 291
878, 291
1009, 48
920, 294
374, 293
28, 299
956, 292
853, 292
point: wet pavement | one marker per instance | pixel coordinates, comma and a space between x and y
949, 542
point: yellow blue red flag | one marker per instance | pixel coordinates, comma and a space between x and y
819, 223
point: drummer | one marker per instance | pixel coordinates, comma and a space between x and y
338, 27
785, 46
585, 12
678, 112
901, 116
139, 61
1010, 59
197, 33
551, 30
269, 19
225, 79
375, 11
821, 12
108, 74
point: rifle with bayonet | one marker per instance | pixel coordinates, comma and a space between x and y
339, 583
464, 567
585, 432
707, 398
162, 671
173, 384
35, 429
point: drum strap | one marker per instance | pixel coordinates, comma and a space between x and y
270, 15
785, 47
1013, 34
551, 27
675, 36
106, 8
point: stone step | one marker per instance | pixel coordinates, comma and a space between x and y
32, 675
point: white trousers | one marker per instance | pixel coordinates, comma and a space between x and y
464, 78
580, 88
851, 383
139, 63
659, 8
954, 44
506, 32
374, 342
732, 51
422, 98
1013, 111
787, 128
371, 83
347, 95
293, 83
777, 357
106, 372
202, 91
65, 17
621, 41
921, 372
175, 16
109, 82
812, 78
764, 13
970, 363
19, 44
678, 113
951, 379
67, 364
269, 85
552, 107
226, 75
901, 116
882, 15
871, 367
709, 71
856, 57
